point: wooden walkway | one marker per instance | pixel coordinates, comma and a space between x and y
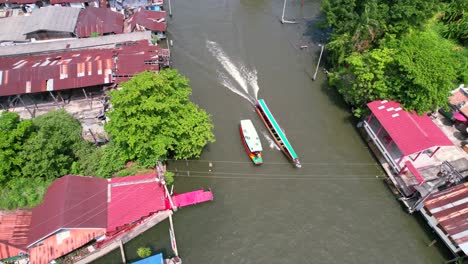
124, 238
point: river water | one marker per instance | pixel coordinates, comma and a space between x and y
335, 209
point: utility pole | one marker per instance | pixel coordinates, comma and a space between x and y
318, 63
282, 16
170, 9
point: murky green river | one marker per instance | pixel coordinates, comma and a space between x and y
335, 209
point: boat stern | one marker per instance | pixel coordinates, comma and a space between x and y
256, 158
297, 163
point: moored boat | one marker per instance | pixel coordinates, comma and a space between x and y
276, 132
251, 141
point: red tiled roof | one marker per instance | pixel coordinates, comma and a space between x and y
132, 198
14, 227
99, 20
410, 132
62, 243
148, 19
450, 208
70, 202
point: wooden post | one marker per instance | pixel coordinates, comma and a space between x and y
173, 239
122, 252
21, 100
432, 243
318, 63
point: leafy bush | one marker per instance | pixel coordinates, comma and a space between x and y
144, 252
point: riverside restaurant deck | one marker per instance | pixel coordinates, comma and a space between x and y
427, 167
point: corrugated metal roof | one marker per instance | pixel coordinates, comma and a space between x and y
53, 18
13, 28
132, 198
450, 208
151, 20
109, 41
62, 243
18, 1
76, 69
410, 132
56, 71
14, 228
99, 20
70, 202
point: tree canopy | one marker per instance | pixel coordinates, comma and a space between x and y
152, 118
395, 50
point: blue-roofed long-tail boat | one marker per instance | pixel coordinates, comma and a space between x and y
276, 132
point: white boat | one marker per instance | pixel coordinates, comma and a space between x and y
251, 141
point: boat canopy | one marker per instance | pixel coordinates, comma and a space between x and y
251, 136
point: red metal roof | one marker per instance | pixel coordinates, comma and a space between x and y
54, 2
18, 1
55, 71
450, 208
14, 227
410, 132
76, 69
99, 20
70, 202
132, 198
62, 243
148, 19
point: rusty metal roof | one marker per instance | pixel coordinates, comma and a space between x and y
14, 227
450, 208
62, 243
55, 71
99, 20
76, 69
151, 20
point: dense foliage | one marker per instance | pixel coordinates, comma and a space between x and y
396, 50
152, 119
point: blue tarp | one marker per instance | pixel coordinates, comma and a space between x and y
155, 259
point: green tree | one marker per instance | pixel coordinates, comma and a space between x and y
13, 134
144, 252
50, 151
366, 77
428, 68
455, 20
23, 192
153, 119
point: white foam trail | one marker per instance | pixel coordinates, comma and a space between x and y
271, 142
251, 78
219, 54
245, 78
227, 83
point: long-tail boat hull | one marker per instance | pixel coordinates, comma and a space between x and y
276, 132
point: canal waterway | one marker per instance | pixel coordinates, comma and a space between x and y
335, 209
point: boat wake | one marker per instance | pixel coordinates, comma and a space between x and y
236, 77
271, 142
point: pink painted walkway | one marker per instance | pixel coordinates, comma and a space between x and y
190, 198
